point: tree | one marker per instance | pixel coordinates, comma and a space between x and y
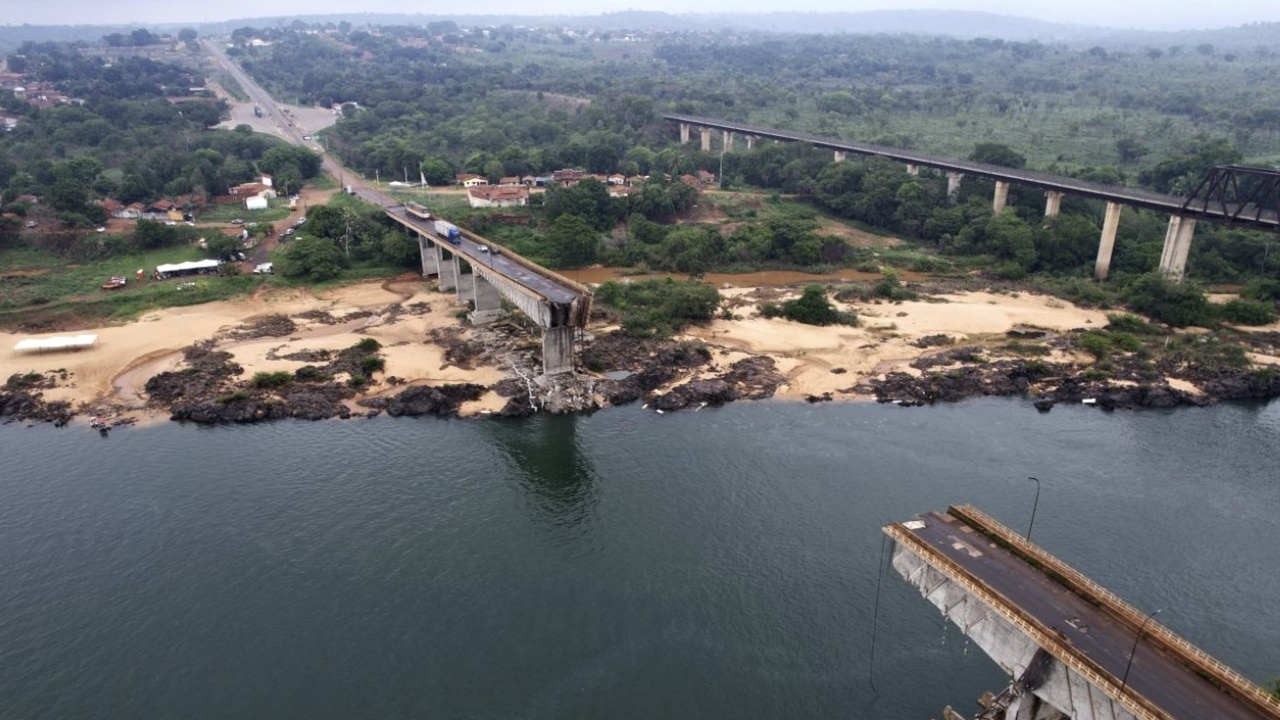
998, 154
573, 241
1177, 304
812, 308
312, 257
187, 34
437, 171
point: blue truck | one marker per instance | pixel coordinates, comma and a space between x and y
449, 232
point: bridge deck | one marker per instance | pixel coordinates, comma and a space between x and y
1163, 677
1097, 191
542, 282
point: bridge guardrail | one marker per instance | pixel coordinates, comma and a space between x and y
1214, 670
1077, 661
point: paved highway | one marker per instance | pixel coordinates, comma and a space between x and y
1163, 679
550, 286
1097, 191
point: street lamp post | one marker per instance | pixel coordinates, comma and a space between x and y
1124, 681
1034, 505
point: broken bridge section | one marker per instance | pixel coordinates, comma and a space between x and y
1072, 648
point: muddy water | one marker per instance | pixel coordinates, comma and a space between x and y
596, 275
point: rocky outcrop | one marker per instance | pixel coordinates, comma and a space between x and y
440, 400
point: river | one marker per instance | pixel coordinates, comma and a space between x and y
717, 564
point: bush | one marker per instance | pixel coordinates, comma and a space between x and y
1176, 304
659, 307
813, 308
1248, 312
1261, 289
372, 364
1126, 323
1010, 271
771, 310
368, 345
269, 380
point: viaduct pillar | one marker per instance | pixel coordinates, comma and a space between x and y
557, 350
488, 302
447, 266
953, 183
1001, 197
728, 141
466, 287
840, 155
706, 139
427, 252
913, 169
1177, 243
751, 142
1110, 223
1052, 203
684, 133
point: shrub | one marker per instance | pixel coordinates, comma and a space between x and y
269, 380
311, 373
771, 310
659, 307
1169, 302
811, 308
1126, 323
1095, 343
368, 345
1261, 289
372, 364
1249, 312
1011, 271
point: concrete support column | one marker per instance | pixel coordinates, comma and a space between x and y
913, 169
1052, 203
1023, 707
684, 133
427, 252
751, 142
728, 140
466, 290
1110, 224
1177, 243
706, 139
557, 350
1001, 197
840, 156
953, 183
447, 266
488, 302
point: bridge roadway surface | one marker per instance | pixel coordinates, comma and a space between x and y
469, 248
1161, 678
1098, 191
545, 285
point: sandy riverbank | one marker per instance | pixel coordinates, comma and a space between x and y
128, 355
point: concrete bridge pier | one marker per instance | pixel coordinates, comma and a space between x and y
427, 252
913, 169
557, 350
1177, 243
1001, 197
840, 155
488, 302
953, 183
706, 139
447, 266
1110, 223
727, 141
466, 289
684, 133
1052, 203
751, 142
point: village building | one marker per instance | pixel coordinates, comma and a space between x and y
498, 196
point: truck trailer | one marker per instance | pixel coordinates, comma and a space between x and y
449, 232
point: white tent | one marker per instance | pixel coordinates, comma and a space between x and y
193, 266
64, 342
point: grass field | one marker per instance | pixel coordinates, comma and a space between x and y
278, 210
33, 278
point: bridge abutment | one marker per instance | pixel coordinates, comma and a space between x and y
447, 267
557, 350
1052, 203
427, 253
488, 302
1110, 224
1001, 198
1177, 243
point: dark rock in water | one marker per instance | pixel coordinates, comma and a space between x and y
1044, 405
696, 392
520, 405
824, 397
620, 392
443, 400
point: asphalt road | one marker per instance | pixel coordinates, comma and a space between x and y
543, 285
1162, 679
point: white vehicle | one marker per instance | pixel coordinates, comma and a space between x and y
483, 248
170, 223
264, 269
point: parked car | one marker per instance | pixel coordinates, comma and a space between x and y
32, 223
100, 229
171, 223
237, 221
264, 269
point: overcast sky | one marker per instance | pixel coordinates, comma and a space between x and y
1146, 14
